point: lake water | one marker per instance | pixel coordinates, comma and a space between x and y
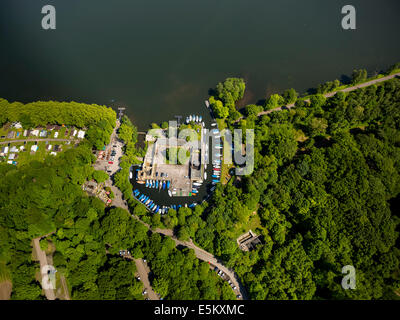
159, 58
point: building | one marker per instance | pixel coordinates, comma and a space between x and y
56, 135
25, 133
81, 134
17, 125
248, 241
48, 147
11, 156
4, 150
43, 134
14, 149
35, 133
57, 148
11, 135
34, 148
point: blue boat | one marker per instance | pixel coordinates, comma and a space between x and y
158, 208
174, 207
214, 176
141, 197
191, 205
151, 206
157, 184
147, 183
180, 206
195, 191
163, 185
168, 184
215, 180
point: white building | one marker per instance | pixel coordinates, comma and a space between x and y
4, 150
81, 134
35, 133
17, 125
25, 133
34, 148
14, 149
11, 156
56, 135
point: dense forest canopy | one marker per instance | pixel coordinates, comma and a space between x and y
325, 172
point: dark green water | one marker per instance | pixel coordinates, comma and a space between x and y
159, 57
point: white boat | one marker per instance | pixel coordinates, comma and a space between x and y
200, 118
130, 175
187, 119
205, 175
190, 118
197, 118
218, 147
170, 193
203, 124
205, 166
196, 184
213, 124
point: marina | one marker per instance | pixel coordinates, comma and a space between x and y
162, 184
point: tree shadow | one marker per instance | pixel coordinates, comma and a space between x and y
345, 79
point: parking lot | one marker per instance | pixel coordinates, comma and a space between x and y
225, 277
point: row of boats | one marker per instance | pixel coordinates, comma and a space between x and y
216, 173
158, 184
194, 118
152, 206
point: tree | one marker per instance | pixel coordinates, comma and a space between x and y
317, 101
219, 109
290, 96
359, 76
100, 176
274, 101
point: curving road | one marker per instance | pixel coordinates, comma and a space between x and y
200, 253
330, 94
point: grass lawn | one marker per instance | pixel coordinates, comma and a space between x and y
253, 224
27, 156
